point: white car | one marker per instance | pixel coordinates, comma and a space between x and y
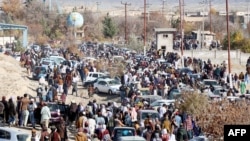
46, 63
110, 86
160, 102
93, 75
12, 134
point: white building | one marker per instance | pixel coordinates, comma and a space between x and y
165, 39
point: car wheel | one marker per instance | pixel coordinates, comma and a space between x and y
110, 92
96, 91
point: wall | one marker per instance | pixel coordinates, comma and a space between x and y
165, 41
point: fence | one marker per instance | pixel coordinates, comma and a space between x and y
218, 56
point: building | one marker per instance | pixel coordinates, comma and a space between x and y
206, 35
165, 39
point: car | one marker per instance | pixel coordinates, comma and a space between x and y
174, 93
209, 82
38, 72
122, 131
185, 70
159, 103
149, 98
91, 82
48, 63
11, 134
110, 86
57, 111
93, 75
131, 138
142, 115
57, 59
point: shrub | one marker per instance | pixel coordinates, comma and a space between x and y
213, 115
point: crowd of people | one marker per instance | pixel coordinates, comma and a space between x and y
96, 121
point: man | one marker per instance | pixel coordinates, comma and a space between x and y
189, 127
32, 106
24, 109
181, 134
45, 115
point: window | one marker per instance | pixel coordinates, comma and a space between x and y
95, 75
165, 35
22, 137
4, 135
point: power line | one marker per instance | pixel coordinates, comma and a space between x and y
125, 28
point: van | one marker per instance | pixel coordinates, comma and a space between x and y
131, 138
94, 75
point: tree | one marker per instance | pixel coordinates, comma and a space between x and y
109, 28
237, 41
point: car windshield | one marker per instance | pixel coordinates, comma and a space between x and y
151, 115
53, 107
22, 137
210, 82
114, 82
45, 62
124, 132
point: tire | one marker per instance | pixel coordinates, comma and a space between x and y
110, 92
97, 91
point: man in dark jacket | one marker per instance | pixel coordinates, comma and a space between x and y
181, 134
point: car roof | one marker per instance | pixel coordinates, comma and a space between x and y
124, 128
145, 111
209, 80
13, 130
132, 138
164, 100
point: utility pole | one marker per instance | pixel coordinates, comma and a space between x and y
97, 6
247, 12
125, 28
145, 27
163, 7
181, 25
210, 15
228, 39
181, 10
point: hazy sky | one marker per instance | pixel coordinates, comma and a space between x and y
154, 4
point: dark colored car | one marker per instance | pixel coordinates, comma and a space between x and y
57, 111
39, 72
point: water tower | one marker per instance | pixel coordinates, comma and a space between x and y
75, 20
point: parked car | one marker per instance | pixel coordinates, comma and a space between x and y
149, 98
11, 134
159, 103
122, 131
57, 59
110, 86
38, 72
48, 63
92, 82
93, 75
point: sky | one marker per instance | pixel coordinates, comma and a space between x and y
190, 5
155, 4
